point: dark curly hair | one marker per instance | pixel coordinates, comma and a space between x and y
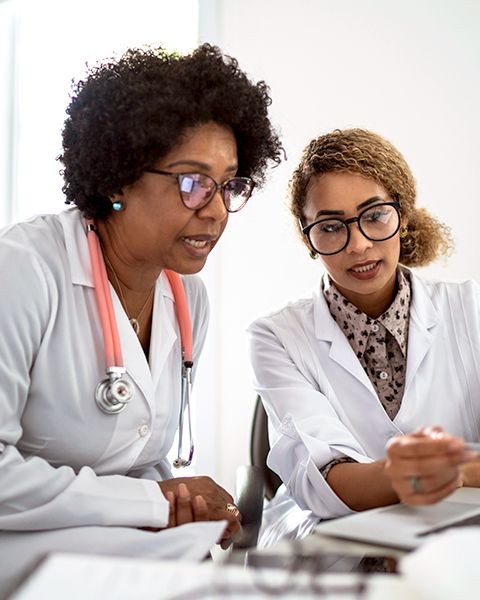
368, 154
130, 112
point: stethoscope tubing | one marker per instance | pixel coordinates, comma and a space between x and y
113, 394
111, 339
183, 316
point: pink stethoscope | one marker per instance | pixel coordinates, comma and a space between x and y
114, 392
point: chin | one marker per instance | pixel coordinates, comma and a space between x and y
187, 268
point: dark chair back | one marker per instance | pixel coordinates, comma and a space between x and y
255, 482
259, 448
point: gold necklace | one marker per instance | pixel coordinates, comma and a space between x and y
134, 321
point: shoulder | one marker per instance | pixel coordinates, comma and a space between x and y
442, 292
34, 245
294, 313
40, 237
32, 266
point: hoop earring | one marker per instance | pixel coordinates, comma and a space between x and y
117, 205
313, 254
404, 233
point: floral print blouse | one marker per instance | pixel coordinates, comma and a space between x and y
380, 344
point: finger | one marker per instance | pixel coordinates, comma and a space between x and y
184, 513
409, 446
234, 518
171, 505
433, 497
430, 484
397, 468
210, 490
200, 509
434, 431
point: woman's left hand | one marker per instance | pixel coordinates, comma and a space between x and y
220, 504
425, 467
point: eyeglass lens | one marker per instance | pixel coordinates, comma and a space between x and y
197, 190
377, 223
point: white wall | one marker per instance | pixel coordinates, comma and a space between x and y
408, 70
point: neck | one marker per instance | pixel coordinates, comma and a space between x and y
135, 275
374, 304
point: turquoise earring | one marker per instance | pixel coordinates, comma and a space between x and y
117, 205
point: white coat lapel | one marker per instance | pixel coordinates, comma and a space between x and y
341, 352
133, 356
424, 319
164, 330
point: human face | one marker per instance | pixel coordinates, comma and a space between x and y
364, 271
156, 229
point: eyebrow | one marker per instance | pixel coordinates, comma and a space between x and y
198, 165
372, 200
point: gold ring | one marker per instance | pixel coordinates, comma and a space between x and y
416, 485
231, 508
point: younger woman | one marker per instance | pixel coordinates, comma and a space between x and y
350, 373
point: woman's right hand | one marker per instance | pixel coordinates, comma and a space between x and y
425, 467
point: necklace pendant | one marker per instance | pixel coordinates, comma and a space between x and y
135, 325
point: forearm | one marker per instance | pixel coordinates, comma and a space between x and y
362, 486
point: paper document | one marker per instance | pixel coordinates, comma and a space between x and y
402, 526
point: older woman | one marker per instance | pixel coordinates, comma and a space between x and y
374, 353
158, 150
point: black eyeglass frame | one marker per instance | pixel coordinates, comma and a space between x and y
217, 187
306, 229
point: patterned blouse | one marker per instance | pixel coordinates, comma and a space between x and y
380, 344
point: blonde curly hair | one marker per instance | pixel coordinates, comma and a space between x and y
370, 155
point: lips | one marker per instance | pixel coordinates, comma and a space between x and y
364, 267
196, 243
199, 245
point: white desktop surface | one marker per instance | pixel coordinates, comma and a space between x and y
78, 577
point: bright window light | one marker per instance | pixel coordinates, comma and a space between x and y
54, 41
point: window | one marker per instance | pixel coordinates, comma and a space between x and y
44, 45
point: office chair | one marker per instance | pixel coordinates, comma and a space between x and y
256, 481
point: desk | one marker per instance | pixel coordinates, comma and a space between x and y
444, 568
78, 577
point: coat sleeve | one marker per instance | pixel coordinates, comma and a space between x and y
305, 430
33, 494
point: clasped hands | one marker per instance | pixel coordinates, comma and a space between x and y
427, 466
201, 499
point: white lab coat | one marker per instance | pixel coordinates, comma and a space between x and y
322, 405
63, 463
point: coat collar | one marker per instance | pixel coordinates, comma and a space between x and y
422, 311
424, 318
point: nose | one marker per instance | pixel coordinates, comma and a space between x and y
358, 243
215, 209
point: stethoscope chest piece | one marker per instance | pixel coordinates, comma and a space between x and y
113, 394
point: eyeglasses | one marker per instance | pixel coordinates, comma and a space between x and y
197, 189
377, 223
